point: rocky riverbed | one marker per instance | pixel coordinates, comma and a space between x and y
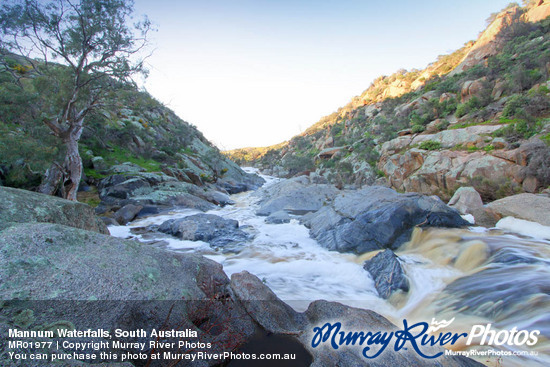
270, 262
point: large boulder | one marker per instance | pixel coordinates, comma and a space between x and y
531, 207
127, 213
174, 290
265, 307
377, 218
297, 195
466, 199
21, 206
217, 231
387, 273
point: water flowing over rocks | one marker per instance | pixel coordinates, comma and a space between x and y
31, 252
387, 273
376, 218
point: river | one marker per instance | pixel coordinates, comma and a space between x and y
497, 276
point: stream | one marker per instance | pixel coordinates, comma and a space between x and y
474, 275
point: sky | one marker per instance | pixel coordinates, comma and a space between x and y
256, 73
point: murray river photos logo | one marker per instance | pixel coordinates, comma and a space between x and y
418, 335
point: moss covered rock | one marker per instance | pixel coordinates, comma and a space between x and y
22, 206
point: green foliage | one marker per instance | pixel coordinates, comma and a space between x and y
430, 145
519, 129
491, 190
298, 163
514, 106
418, 129
472, 105
90, 172
120, 155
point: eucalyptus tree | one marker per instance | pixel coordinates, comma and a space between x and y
80, 50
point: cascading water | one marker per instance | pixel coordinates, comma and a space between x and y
476, 276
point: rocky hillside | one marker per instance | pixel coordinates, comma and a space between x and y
131, 135
477, 117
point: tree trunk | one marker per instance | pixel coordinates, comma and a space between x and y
53, 179
73, 162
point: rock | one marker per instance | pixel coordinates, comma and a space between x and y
217, 231
376, 218
217, 198
236, 183
278, 218
295, 196
465, 200
435, 172
127, 167
84, 266
109, 221
446, 97
154, 189
531, 184
499, 89
165, 198
387, 273
485, 217
499, 143
99, 164
116, 187
531, 207
472, 88
127, 213
21, 206
328, 153
264, 306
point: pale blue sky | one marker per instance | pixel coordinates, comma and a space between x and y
255, 73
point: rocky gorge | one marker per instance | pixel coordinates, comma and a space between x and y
277, 279
425, 198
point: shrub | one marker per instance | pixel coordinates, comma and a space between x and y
430, 145
514, 106
418, 129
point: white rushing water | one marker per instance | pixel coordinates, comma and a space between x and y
300, 271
